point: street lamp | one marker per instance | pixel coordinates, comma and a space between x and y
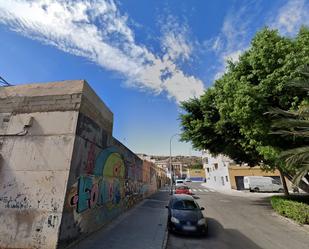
171, 172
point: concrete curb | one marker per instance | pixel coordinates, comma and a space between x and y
304, 228
164, 244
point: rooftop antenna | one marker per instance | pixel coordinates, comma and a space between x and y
3, 82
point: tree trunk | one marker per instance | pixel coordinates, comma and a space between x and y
307, 178
285, 187
302, 185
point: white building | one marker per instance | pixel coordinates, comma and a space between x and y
216, 170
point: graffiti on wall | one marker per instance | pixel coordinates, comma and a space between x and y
109, 178
103, 185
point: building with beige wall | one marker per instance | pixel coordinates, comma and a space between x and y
223, 174
197, 175
237, 173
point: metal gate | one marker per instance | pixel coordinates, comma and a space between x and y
239, 182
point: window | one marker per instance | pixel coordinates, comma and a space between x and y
226, 178
222, 180
205, 160
215, 178
182, 187
275, 182
216, 166
208, 170
184, 205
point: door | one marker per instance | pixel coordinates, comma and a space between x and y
239, 182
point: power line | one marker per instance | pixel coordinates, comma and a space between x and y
3, 82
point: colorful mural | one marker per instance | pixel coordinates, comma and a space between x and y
103, 185
106, 179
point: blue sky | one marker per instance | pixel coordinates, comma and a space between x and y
142, 57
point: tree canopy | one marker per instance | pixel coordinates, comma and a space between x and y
229, 118
295, 123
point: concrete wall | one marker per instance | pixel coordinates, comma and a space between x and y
35, 161
62, 174
196, 174
105, 180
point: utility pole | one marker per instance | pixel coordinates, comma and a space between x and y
171, 171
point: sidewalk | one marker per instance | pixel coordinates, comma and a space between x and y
142, 227
241, 193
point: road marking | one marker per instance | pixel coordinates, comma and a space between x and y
200, 190
211, 190
206, 190
193, 189
224, 200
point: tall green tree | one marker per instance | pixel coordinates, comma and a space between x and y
229, 118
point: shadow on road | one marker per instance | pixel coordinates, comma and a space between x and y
218, 237
264, 202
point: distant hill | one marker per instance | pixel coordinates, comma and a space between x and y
191, 161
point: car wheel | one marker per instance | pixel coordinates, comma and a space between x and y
281, 190
205, 233
256, 190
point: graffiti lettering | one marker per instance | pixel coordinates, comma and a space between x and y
90, 194
94, 195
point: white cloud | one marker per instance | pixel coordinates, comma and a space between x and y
291, 16
175, 40
217, 44
232, 40
97, 31
233, 56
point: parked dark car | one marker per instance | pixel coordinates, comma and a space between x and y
185, 216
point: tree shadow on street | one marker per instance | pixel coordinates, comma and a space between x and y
264, 202
218, 237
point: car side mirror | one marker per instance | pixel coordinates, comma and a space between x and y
202, 208
166, 206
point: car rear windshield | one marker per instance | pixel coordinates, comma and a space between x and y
179, 181
182, 187
184, 205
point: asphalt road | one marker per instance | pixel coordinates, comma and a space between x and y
241, 222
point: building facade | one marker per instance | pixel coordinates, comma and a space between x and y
223, 174
216, 170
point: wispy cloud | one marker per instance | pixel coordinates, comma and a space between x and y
233, 38
175, 40
98, 31
291, 16
240, 25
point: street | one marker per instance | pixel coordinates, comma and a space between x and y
241, 222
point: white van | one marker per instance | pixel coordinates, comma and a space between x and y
262, 183
179, 182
